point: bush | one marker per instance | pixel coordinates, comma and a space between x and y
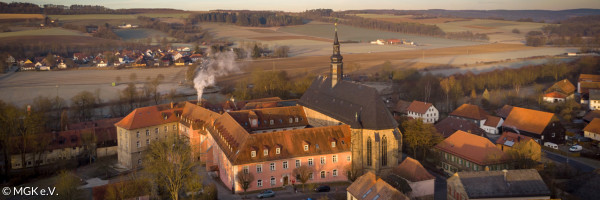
210, 192
516, 31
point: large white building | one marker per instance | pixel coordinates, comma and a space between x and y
423, 110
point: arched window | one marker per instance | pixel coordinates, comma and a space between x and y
384, 151
369, 151
322, 174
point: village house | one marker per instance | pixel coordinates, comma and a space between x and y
450, 125
422, 110
509, 140
585, 83
590, 116
505, 184
478, 116
368, 186
592, 130
504, 111
561, 91
27, 66
401, 108
463, 151
53, 147
421, 182
594, 99
539, 125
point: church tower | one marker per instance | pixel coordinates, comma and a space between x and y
337, 67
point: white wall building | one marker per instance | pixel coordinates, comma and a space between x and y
423, 110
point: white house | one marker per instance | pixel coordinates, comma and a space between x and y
491, 124
102, 63
592, 130
62, 65
423, 110
594, 97
420, 181
560, 92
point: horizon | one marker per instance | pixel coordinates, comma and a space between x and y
336, 5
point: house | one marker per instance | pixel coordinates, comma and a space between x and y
478, 116
80, 57
401, 108
504, 111
102, 63
196, 57
450, 125
505, 184
539, 125
591, 115
62, 65
592, 130
585, 83
394, 41
378, 42
509, 140
368, 186
27, 66
179, 62
594, 99
560, 91
91, 28
421, 182
463, 151
422, 110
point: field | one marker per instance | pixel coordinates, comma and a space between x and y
42, 32
408, 18
56, 39
21, 16
138, 33
117, 16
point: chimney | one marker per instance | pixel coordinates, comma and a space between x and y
504, 171
171, 105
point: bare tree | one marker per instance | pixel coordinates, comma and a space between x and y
245, 179
83, 105
353, 172
169, 164
66, 185
303, 174
89, 140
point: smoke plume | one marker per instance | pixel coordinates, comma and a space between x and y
220, 64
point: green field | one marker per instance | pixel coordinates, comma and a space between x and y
139, 33
117, 16
43, 32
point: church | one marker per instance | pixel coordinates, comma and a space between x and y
375, 138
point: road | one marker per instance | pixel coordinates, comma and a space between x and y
574, 163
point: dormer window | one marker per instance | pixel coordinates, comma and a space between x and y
296, 119
253, 154
333, 144
306, 147
278, 150
291, 120
272, 122
266, 152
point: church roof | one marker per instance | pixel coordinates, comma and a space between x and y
354, 104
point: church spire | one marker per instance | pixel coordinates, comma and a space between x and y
337, 65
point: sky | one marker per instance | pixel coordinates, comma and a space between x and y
301, 5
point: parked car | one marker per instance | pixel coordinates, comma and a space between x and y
576, 148
265, 194
322, 188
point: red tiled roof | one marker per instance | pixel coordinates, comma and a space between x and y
492, 121
419, 107
591, 115
511, 137
564, 86
555, 94
368, 186
470, 111
594, 126
149, 116
412, 170
471, 147
533, 121
279, 115
589, 77
450, 125
402, 106
504, 111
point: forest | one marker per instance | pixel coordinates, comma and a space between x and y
248, 18
577, 31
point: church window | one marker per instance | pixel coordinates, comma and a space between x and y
369, 151
384, 151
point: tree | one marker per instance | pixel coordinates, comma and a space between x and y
303, 174
129, 95
353, 172
473, 94
256, 51
420, 135
193, 185
89, 144
83, 105
447, 84
169, 164
523, 154
486, 95
66, 185
9, 120
245, 179
135, 187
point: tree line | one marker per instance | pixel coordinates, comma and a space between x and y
248, 18
581, 31
184, 32
30, 50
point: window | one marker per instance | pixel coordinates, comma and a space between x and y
475, 167
137, 134
296, 119
266, 152
291, 120
156, 130
272, 122
259, 183
297, 163
384, 151
139, 161
553, 134
311, 176
253, 154
272, 166
174, 127
278, 150
467, 163
323, 160
317, 146
335, 172
259, 168
138, 144
310, 162
333, 144
246, 170
147, 132
272, 181
306, 147
147, 141
334, 158
348, 158
166, 129
322, 174
285, 164
369, 157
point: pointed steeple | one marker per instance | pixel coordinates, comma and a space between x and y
337, 66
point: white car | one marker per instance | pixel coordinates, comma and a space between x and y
576, 148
